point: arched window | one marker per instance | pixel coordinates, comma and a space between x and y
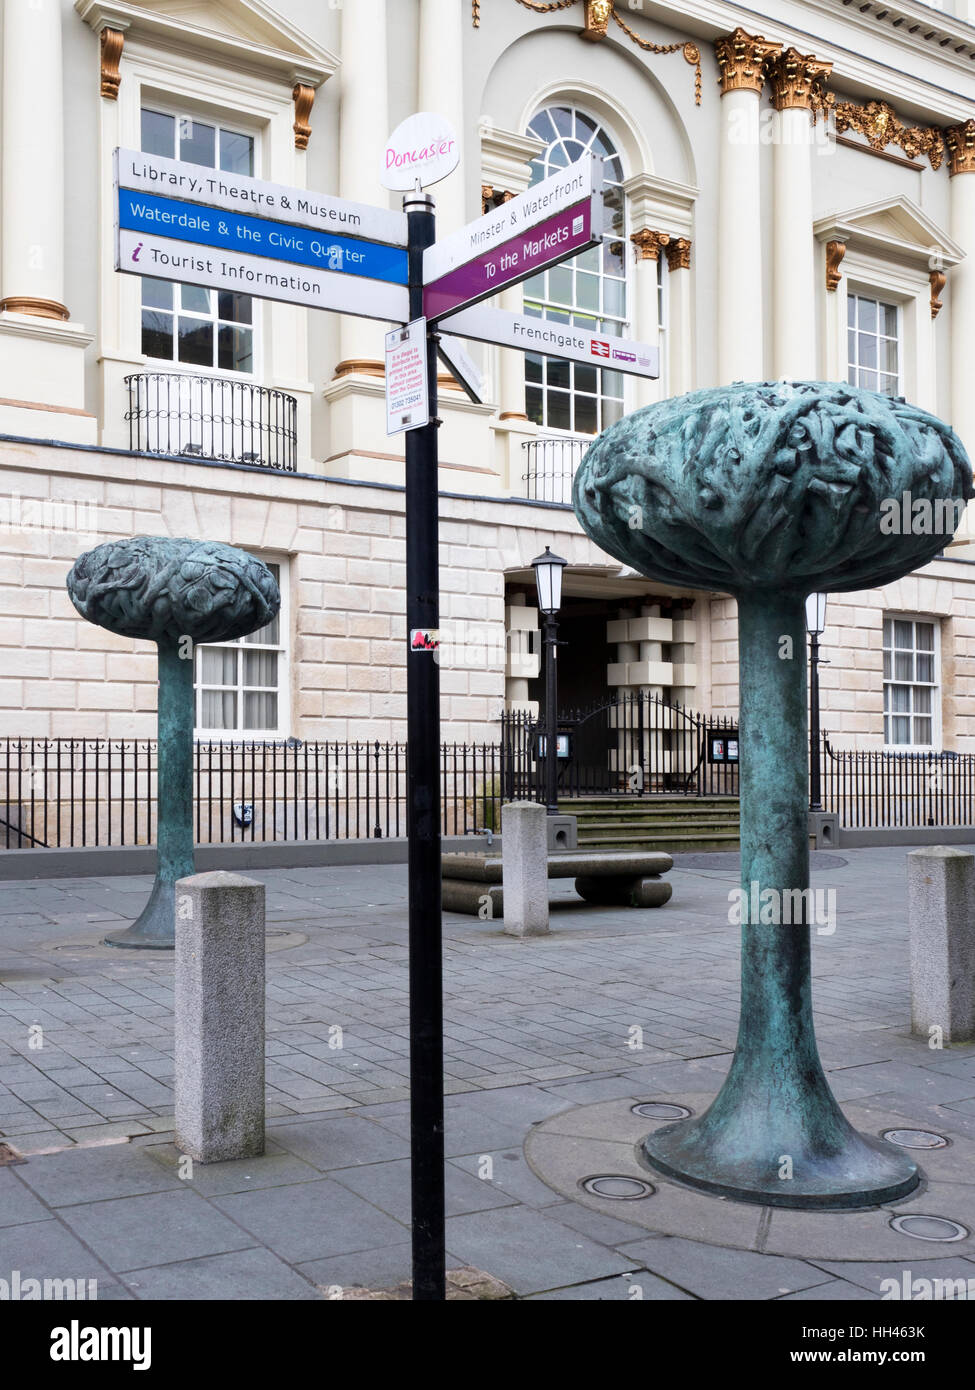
588, 291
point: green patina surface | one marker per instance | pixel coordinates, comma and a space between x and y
768, 491
174, 592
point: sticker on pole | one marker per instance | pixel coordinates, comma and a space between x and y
425, 639
422, 150
407, 393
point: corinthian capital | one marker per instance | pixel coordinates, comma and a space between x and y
795, 78
649, 244
960, 140
743, 61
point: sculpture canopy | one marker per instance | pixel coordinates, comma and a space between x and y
770, 485
165, 589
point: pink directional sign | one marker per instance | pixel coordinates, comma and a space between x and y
546, 243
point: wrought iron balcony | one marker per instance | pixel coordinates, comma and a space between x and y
550, 467
212, 418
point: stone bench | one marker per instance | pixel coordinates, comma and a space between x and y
609, 878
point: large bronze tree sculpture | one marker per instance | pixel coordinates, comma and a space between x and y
176, 593
769, 491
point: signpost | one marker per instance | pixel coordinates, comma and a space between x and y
184, 222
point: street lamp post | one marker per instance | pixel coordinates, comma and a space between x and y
548, 580
815, 622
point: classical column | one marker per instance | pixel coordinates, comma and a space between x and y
648, 245
796, 78
961, 167
32, 267
680, 340
363, 130
441, 89
742, 60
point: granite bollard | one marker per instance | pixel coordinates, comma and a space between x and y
941, 905
524, 856
219, 1017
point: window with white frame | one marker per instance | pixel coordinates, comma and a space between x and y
587, 291
911, 690
873, 344
241, 686
186, 323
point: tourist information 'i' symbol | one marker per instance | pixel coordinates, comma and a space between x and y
174, 593
768, 492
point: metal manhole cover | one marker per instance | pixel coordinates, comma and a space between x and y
660, 1110
617, 1187
938, 1228
915, 1138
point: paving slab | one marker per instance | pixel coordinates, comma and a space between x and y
312, 1220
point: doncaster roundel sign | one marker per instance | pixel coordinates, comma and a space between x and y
422, 150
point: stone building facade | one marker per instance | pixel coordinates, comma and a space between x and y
789, 198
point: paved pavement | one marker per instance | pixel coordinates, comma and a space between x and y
613, 1008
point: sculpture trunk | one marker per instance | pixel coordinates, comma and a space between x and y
775, 1133
155, 927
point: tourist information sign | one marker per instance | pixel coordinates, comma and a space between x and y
185, 222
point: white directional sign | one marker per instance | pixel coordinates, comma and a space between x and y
140, 253
407, 383
554, 194
555, 340
465, 370
195, 183
548, 225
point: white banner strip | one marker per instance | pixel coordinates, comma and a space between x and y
152, 173
164, 259
554, 340
571, 185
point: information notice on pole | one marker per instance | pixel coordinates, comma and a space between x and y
407, 394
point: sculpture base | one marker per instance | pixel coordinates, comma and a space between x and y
155, 927
863, 1172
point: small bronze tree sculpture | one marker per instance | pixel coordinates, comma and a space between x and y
175, 593
768, 492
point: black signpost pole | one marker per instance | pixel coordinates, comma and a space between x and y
423, 784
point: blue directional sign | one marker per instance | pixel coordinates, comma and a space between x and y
258, 236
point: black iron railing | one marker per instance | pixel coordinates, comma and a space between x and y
633, 745
550, 466
213, 418
61, 793
881, 789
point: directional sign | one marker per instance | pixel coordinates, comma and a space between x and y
195, 183
554, 194
553, 339
165, 258
257, 236
552, 236
465, 370
407, 383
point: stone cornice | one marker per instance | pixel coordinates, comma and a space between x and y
505, 157
292, 56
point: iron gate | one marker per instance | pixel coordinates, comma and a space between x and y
634, 744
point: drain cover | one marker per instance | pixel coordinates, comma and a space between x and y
617, 1187
660, 1110
915, 1138
929, 1228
